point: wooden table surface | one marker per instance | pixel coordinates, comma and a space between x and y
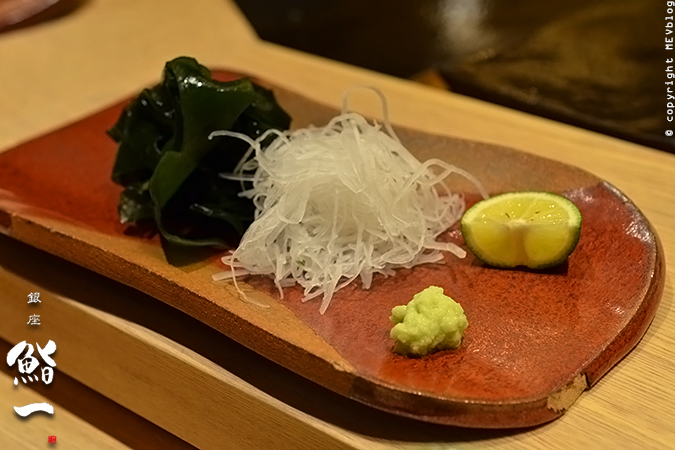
60, 71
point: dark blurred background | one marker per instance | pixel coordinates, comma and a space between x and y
597, 64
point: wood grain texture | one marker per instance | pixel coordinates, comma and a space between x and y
169, 384
96, 409
32, 432
632, 405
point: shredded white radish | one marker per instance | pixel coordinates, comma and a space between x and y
341, 202
226, 275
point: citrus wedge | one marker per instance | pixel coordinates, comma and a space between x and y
533, 229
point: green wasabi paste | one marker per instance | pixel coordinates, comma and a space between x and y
431, 321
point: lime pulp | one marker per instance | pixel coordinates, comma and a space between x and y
533, 229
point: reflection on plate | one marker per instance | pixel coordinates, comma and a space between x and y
536, 340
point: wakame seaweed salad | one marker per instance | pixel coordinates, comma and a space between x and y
169, 167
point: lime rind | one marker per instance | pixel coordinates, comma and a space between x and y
528, 228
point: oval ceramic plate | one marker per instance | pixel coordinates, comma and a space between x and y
536, 340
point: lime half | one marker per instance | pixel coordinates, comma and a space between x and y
533, 229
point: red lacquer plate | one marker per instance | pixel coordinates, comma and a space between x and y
535, 342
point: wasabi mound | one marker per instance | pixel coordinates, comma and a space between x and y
431, 321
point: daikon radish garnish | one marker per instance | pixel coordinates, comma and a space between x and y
341, 202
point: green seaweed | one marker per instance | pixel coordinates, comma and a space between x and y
168, 166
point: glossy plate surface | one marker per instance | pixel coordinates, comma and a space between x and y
535, 341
